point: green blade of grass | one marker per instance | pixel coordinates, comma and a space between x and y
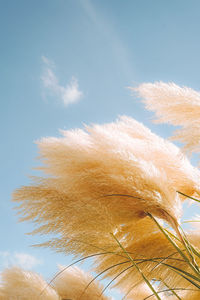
182, 272
163, 259
132, 287
189, 248
194, 249
138, 269
70, 265
175, 246
197, 200
171, 290
168, 290
191, 221
98, 275
145, 260
115, 278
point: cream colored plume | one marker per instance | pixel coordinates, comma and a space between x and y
25, 285
164, 154
73, 283
176, 105
70, 284
103, 177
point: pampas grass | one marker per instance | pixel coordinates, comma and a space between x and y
109, 192
176, 105
72, 283
17, 284
105, 173
155, 255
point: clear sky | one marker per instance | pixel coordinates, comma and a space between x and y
64, 63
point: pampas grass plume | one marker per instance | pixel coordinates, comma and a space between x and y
176, 105
102, 177
72, 283
107, 180
24, 285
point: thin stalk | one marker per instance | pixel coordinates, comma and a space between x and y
191, 221
196, 252
132, 287
175, 246
180, 271
189, 248
168, 290
138, 269
115, 278
107, 269
122, 195
145, 260
172, 290
160, 262
197, 200
64, 269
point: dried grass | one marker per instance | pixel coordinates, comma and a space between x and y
17, 284
72, 283
102, 178
176, 105
102, 191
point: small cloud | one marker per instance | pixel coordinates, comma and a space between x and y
69, 93
23, 260
48, 62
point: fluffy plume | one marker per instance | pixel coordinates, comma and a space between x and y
147, 246
100, 186
103, 177
176, 105
70, 284
73, 283
23, 285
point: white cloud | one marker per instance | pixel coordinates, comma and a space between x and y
23, 260
69, 93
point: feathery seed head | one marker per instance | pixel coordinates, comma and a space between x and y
103, 177
176, 105
23, 285
73, 283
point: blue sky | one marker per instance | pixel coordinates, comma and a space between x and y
69, 62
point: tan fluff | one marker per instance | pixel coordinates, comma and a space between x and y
165, 155
73, 283
190, 295
17, 284
140, 292
152, 252
176, 105
103, 177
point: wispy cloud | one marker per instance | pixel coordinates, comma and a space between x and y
106, 28
23, 260
67, 94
